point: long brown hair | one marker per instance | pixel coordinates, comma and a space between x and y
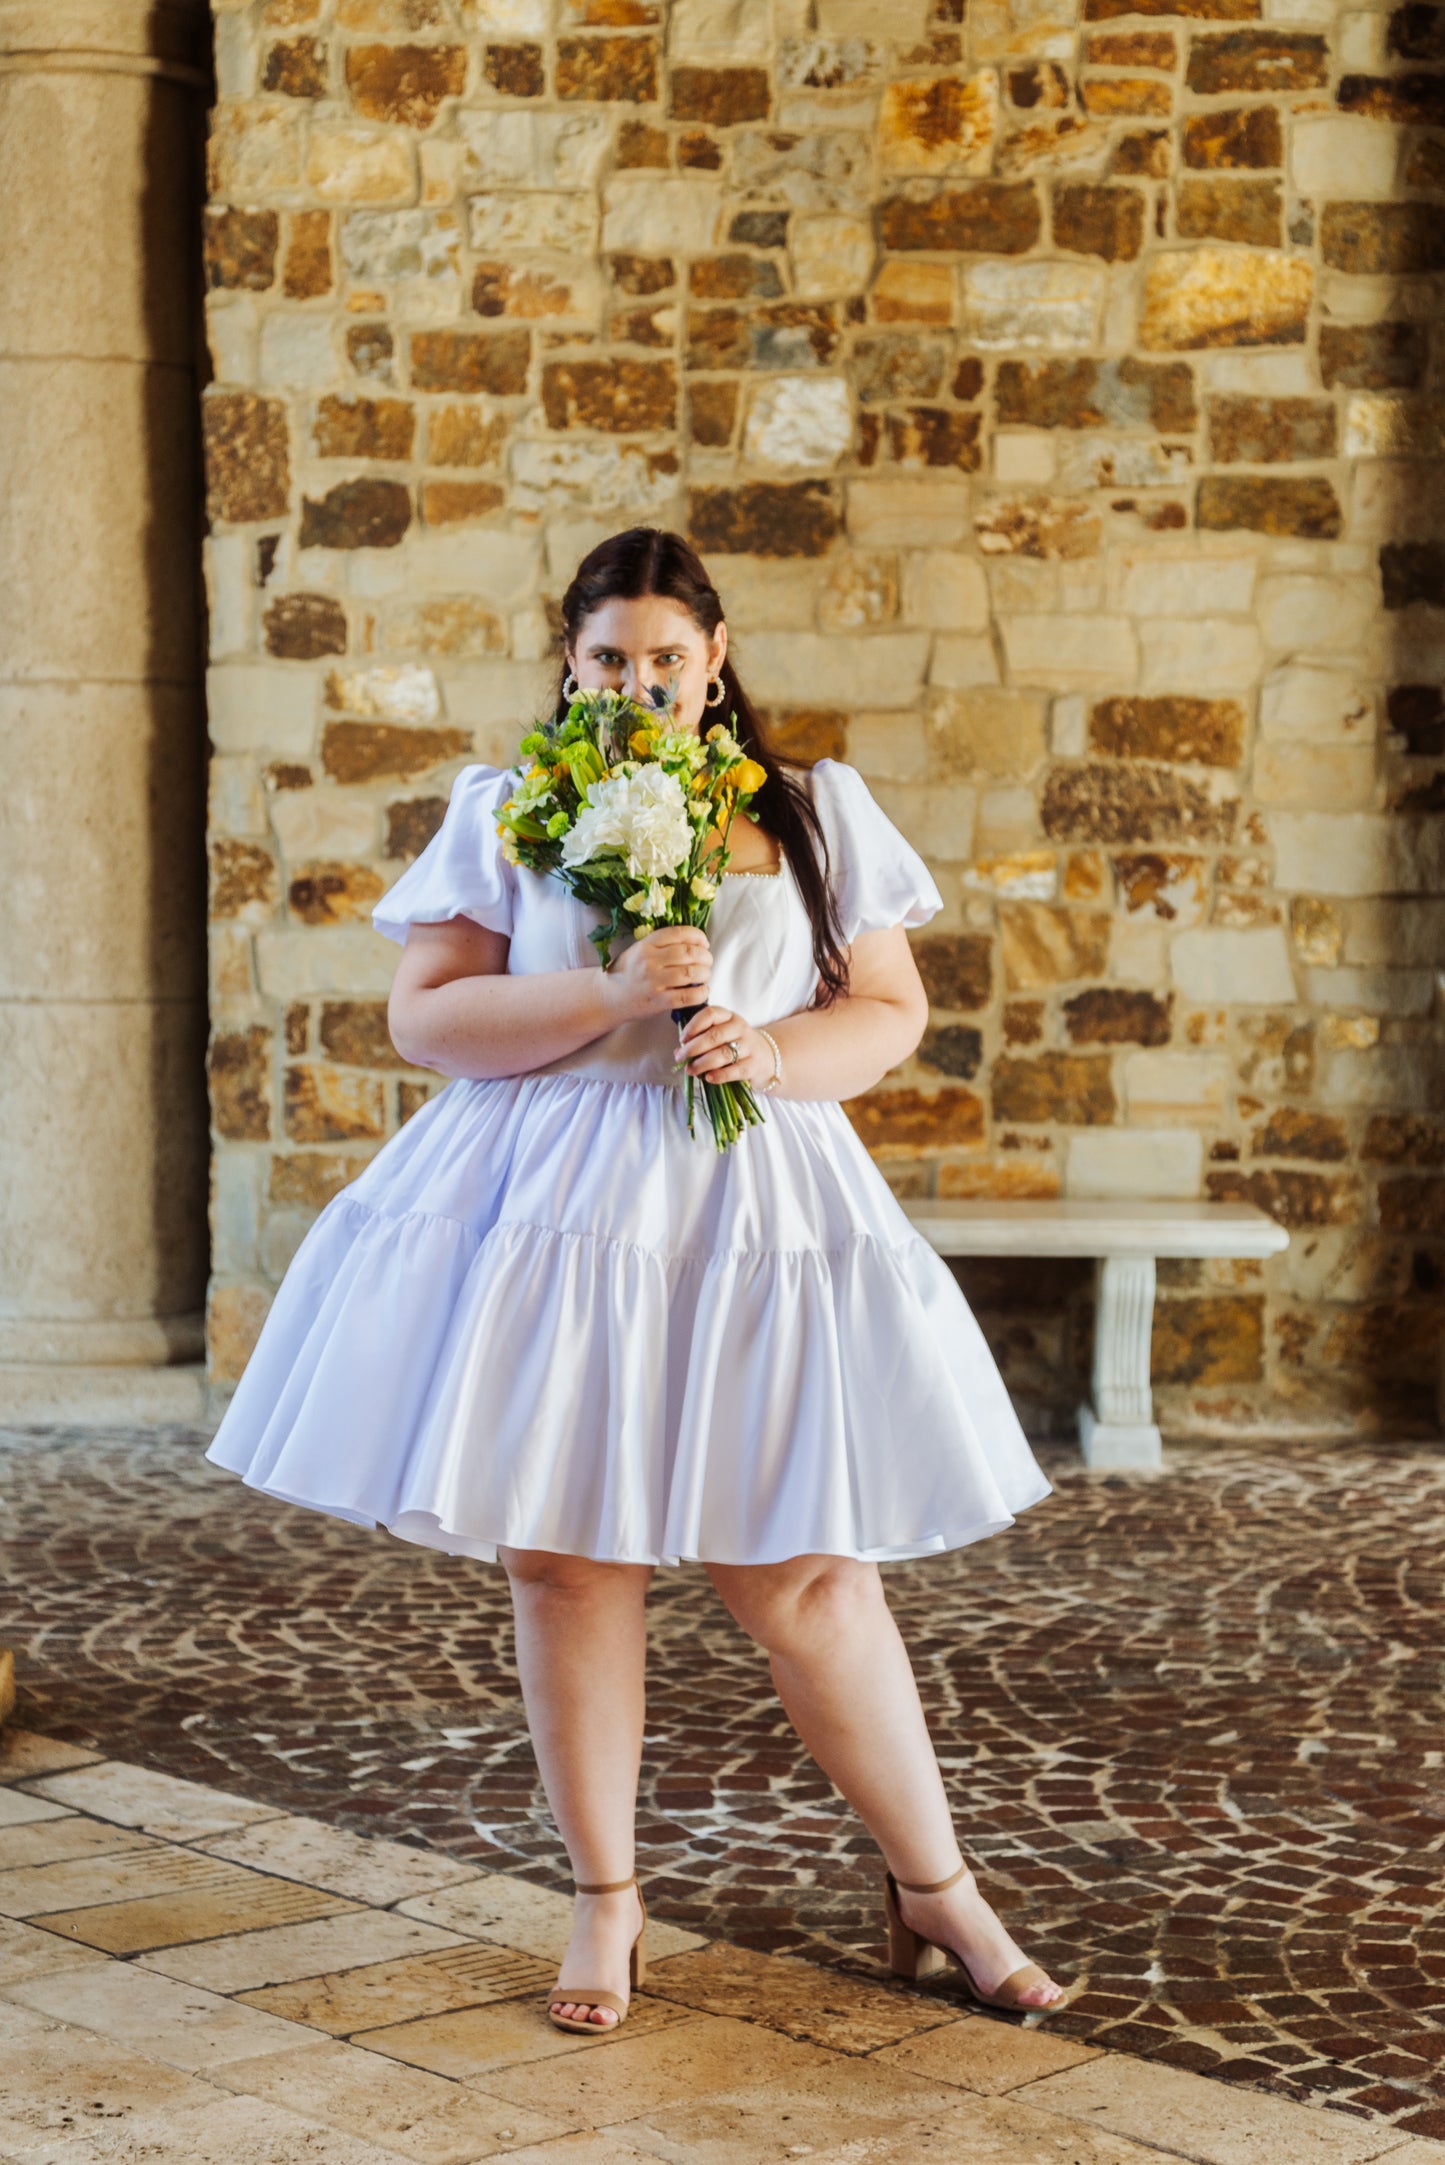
647, 561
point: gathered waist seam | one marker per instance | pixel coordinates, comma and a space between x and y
640, 1247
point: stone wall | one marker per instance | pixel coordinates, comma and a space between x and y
1050, 388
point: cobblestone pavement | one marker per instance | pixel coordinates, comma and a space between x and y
1193, 1726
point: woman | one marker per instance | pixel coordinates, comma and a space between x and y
549, 1327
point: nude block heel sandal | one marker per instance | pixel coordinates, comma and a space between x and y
588, 1996
911, 1955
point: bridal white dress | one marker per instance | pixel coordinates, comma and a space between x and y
547, 1316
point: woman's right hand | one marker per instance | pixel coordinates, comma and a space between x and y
658, 971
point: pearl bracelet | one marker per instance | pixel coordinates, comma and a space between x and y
777, 1074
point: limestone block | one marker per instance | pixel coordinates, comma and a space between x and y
1259, 375
938, 819
857, 591
1317, 702
253, 707
234, 801
498, 696
1022, 455
1325, 777
888, 747
515, 18
1216, 965
1165, 1162
1379, 992
1008, 821
511, 149
349, 163
944, 592
255, 152
718, 30
1121, 462
571, 476
983, 730
653, 215
295, 963
1149, 582
1023, 29
1172, 1089
939, 124
959, 662
799, 422
1139, 951
1199, 654
233, 336
382, 246
1224, 297
235, 1211
1384, 933
1356, 853
323, 823
563, 220
1058, 653
1406, 1076
230, 593
1309, 613
810, 669
495, 567
831, 254
1021, 875
1353, 158
1051, 307
908, 514
297, 351
1382, 425
820, 170
759, 594
401, 692
103, 1126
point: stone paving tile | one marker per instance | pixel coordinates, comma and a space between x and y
1209, 2121
536, 1920
179, 2024
802, 2001
417, 2115
1203, 1779
26, 1951
158, 1804
387, 1993
774, 2125
483, 2043
24, 1753
167, 1920
365, 1868
224, 2130
281, 1954
19, 1809
60, 1841
58, 2080
987, 2056
713, 2060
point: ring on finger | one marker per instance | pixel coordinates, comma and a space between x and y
735, 1050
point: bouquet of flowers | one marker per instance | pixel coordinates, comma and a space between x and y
618, 804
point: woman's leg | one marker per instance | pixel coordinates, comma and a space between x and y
581, 1648
844, 1677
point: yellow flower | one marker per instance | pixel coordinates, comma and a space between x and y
640, 742
749, 777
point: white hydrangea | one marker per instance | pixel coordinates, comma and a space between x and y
641, 817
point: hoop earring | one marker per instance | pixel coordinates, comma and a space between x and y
570, 687
717, 685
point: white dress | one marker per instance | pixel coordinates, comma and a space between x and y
547, 1316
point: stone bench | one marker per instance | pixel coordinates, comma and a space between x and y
1126, 1239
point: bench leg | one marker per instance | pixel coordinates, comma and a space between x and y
1117, 1431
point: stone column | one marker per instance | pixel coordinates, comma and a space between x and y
102, 732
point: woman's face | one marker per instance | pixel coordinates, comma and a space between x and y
629, 646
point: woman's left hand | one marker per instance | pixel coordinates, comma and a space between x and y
704, 1046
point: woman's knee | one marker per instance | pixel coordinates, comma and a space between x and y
799, 1602
579, 1577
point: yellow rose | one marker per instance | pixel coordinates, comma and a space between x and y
640, 742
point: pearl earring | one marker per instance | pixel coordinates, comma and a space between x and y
716, 685
570, 687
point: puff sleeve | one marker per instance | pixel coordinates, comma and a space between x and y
461, 872
876, 875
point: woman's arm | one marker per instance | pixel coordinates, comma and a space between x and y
828, 1052
453, 1007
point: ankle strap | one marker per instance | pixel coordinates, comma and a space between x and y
604, 1886
932, 1886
